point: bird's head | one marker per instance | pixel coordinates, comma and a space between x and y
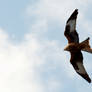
67, 48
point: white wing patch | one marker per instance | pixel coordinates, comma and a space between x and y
81, 69
72, 24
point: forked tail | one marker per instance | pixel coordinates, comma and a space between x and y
85, 46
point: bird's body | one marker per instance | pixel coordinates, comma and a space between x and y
74, 47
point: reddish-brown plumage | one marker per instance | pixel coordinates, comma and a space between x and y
74, 47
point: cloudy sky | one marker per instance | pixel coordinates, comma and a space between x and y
31, 45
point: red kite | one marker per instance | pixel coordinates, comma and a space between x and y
75, 47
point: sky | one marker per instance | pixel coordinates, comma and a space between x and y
32, 40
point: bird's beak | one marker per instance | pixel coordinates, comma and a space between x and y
65, 49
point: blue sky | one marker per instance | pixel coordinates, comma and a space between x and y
12, 18
31, 45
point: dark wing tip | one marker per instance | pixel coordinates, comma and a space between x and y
76, 11
73, 15
86, 77
89, 80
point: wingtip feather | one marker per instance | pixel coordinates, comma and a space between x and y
86, 77
73, 15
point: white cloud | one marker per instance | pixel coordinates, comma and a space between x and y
20, 65
45, 12
17, 66
54, 9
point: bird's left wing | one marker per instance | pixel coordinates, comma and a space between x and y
70, 29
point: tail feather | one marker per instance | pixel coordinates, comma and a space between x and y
85, 46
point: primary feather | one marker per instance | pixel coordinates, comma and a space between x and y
70, 29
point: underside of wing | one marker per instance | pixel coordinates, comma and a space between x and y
70, 29
82, 72
77, 62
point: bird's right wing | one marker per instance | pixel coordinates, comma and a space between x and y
70, 29
82, 72
77, 62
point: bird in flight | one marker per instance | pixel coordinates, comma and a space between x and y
75, 47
